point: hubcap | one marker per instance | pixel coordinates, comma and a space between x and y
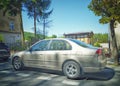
71, 70
17, 63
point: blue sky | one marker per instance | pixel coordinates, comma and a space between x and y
69, 16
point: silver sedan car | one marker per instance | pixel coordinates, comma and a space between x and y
71, 56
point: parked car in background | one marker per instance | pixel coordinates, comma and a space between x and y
71, 56
4, 52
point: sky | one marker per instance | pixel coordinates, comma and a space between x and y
69, 16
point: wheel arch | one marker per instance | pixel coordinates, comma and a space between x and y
12, 62
80, 65
15, 57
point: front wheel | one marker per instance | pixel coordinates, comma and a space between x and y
72, 69
17, 63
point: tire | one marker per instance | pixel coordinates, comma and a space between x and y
17, 63
72, 69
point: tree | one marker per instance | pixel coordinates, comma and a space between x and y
45, 25
109, 10
54, 36
46, 13
10, 6
96, 44
101, 38
36, 9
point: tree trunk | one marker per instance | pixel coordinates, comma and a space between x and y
114, 50
34, 22
44, 29
22, 31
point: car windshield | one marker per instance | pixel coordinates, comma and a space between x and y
82, 43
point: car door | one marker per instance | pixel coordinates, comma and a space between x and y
59, 51
34, 57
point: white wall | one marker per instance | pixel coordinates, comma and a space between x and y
11, 37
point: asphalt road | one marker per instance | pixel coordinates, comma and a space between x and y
41, 77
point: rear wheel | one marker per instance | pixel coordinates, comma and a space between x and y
72, 69
17, 63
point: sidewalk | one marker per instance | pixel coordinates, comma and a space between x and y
110, 64
116, 68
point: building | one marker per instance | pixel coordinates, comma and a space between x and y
10, 28
82, 36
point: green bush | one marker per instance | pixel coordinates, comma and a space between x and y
96, 44
18, 48
1, 38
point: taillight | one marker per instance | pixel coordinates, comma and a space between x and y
99, 51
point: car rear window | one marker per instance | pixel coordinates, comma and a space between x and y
82, 43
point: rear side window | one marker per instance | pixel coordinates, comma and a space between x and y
59, 45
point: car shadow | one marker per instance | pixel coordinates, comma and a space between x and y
103, 75
56, 72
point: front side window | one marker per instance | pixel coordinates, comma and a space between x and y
41, 46
60, 45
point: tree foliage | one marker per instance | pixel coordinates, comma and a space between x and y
11, 6
54, 36
97, 44
100, 38
109, 10
37, 9
45, 15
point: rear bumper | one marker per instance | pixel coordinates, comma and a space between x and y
100, 65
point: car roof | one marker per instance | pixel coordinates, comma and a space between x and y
58, 39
